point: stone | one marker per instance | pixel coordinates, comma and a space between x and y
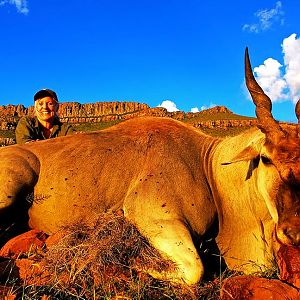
54, 239
256, 288
24, 243
288, 260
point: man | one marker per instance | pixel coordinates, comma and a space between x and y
45, 124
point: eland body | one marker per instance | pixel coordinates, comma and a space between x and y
172, 181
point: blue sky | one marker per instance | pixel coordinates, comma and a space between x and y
188, 52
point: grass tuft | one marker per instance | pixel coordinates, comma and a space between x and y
104, 261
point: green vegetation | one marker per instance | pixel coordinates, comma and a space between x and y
84, 127
206, 115
7, 134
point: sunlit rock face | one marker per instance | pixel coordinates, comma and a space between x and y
256, 288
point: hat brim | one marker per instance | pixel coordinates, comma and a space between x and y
45, 93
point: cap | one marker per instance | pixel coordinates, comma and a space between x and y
45, 93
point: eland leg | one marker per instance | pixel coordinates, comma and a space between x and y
18, 175
169, 234
174, 242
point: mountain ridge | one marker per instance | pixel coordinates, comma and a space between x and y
218, 117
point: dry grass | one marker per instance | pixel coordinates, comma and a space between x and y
105, 261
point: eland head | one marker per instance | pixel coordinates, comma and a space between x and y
278, 161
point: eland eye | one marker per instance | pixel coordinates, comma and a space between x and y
265, 160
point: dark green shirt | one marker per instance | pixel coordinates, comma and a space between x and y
29, 129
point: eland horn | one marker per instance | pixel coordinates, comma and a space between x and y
297, 110
266, 121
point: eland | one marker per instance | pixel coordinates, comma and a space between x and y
172, 181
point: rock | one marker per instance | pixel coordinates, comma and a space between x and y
24, 270
55, 239
224, 124
210, 111
256, 288
23, 243
288, 260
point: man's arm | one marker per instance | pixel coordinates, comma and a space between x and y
25, 131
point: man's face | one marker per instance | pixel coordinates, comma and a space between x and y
45, 108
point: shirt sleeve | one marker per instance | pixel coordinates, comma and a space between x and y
69, 129
25, 131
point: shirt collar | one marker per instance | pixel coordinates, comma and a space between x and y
56, 123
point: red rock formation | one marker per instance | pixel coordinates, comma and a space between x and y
74, 112
75, 109
288, 260
225, 124
255, 288
211, 111
23, 243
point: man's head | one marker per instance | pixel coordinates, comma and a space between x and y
45, 93
45, 105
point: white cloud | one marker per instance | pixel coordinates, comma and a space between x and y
21, 5
251, 28
170, 106
269, 78
194, 109
291, 51
266, 18
286, 84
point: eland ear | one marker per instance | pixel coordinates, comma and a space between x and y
247, 154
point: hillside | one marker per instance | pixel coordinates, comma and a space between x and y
95, 116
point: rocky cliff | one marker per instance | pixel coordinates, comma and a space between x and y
74, 112
99, 112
